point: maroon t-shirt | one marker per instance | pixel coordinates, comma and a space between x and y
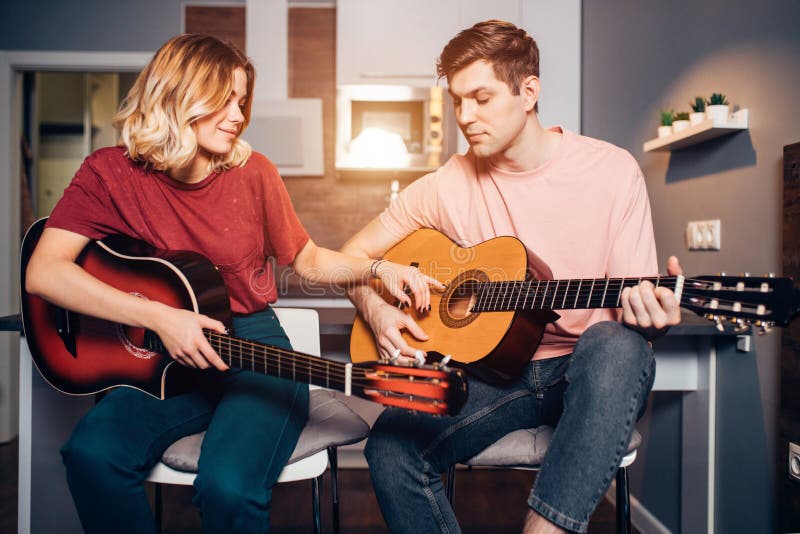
236, 218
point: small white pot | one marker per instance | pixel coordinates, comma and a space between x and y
677, 126
697, 117
719, 113
664, 131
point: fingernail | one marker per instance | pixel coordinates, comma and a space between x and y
429, 307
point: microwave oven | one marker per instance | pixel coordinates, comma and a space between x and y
394, 127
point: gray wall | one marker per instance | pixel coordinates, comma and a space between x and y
110, 25
639, 58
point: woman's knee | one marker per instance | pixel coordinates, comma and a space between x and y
229, 494
91, 453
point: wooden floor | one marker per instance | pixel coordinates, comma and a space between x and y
486, 501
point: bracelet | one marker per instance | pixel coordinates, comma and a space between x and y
373, 269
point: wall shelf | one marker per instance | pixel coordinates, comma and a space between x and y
697, 133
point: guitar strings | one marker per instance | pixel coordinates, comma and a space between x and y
315, 367
564, 297
305, 364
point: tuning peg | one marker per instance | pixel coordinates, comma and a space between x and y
771, 275
419, 358
718, 322
723, 273
741, 326
746, 274
766, 328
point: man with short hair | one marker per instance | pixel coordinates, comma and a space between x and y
580, 205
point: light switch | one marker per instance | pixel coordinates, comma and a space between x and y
703, 235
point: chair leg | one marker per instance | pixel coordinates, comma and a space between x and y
159, 509
333, 460
315, 503
450, 488
623, 502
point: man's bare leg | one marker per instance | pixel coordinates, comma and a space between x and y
536, 524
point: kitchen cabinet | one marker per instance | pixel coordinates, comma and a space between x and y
390, 42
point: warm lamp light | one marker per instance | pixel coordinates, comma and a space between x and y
377, 148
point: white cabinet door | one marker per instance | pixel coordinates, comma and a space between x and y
473, 11
391, 42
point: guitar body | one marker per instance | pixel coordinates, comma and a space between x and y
492, 315
493, 346
79, 354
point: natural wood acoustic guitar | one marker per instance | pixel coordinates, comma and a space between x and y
493, 313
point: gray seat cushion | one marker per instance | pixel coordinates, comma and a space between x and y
525, 448
330, 423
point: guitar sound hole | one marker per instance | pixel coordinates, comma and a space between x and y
459, 299
461, 302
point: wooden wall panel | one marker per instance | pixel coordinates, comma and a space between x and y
789, 419
224, 22
331, 209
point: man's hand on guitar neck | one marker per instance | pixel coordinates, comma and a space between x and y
652, 310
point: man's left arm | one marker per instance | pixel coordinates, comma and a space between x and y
646, 308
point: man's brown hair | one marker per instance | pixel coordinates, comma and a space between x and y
513, 53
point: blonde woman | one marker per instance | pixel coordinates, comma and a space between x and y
183, 179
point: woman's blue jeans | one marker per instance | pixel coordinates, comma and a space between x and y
252, 421
592, 397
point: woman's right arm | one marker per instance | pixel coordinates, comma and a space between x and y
53, 275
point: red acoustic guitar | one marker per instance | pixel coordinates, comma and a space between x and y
79, 354
493, 314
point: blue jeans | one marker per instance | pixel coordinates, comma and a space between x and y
252, 421
592, 397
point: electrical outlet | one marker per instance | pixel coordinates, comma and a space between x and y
703, 235
794, 461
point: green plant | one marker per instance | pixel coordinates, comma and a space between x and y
717, 99
666, 117
681, 116
699, 105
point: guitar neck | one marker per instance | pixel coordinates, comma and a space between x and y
282, 363
270, 360
572, 294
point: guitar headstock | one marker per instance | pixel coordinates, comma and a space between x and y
432, 389
744, 300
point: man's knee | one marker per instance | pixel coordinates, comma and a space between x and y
616, 345
612, 356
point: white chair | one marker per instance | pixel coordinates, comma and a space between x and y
526, 448
331, 423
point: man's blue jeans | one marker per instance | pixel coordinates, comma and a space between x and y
592, 397
252, 424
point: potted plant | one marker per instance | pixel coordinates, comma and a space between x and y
698, 113
666, 123
717, 108
680, 121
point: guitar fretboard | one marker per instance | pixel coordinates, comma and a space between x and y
274, 361
571, 294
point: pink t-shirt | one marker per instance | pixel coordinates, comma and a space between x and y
238, 218
584, 212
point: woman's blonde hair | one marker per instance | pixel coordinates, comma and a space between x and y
190, 77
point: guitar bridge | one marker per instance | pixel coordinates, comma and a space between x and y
67, 328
